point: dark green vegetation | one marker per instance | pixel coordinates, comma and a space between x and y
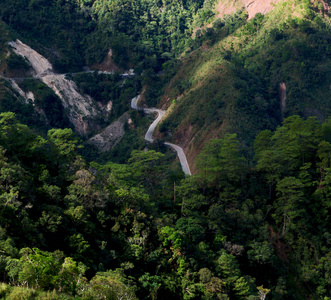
48, 101
109, 87
82, 32
254, 221
62, 24
222, 234
148, 32
25, 112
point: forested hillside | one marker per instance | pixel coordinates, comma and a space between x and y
248, 99
237, 229
138, 32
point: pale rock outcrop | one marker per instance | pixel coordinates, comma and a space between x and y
26, 96
81, 107
111, 135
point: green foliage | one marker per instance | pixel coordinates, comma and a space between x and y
227, 230
110, 285
84, 31
151, 283
18, 139
64, 142
43, 270
170, 235
150, 27
17, 62
261, 253
221, 158
289, 202
227, 267
235, 75
58, 24
237, 226
48, 101
20, 293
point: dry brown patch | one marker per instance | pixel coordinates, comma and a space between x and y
252, 6
224, 8
326, 6
282, 94
193, 140
107, 65
259, 6
282, 250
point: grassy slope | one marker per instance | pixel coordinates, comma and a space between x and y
240, 93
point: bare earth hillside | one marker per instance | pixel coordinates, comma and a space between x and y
252, 6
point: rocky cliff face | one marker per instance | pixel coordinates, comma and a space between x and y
82, 108
252, 6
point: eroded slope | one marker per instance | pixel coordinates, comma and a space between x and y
81, 107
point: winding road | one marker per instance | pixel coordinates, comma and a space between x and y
81, 105
149, 133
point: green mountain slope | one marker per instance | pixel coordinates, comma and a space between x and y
232, 82
238, 76
75, 33
253, 223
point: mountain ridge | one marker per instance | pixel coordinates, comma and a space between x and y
240, 55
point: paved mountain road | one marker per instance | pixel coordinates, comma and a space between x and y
149, 133
182, 158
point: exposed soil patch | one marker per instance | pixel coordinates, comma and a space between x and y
81, 107
107, 65
326, 6
282, 94
224, 8
252, 6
